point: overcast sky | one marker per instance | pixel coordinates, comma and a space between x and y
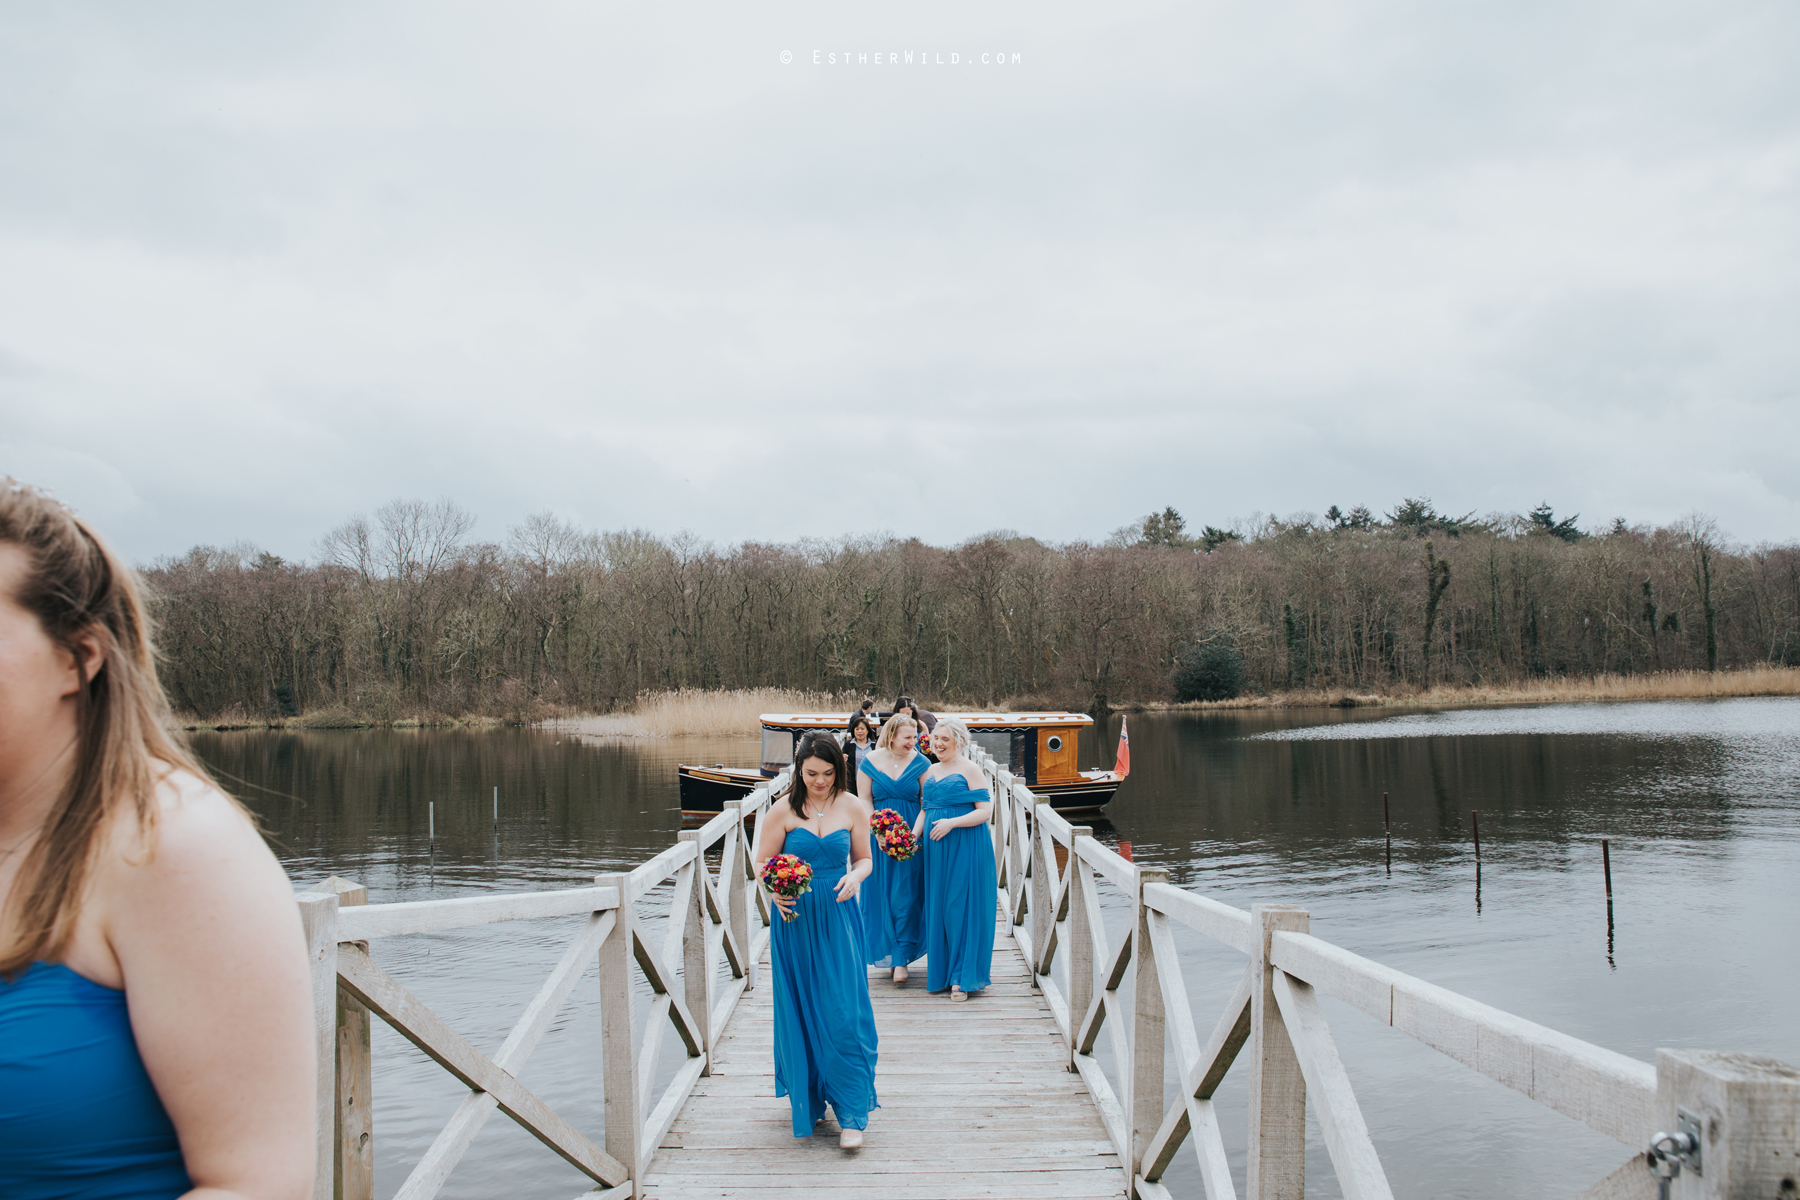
262, 267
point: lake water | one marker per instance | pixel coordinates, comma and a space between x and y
1700, 803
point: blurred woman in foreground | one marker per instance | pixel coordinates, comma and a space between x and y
155, 1008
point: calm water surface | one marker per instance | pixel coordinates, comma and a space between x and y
1700, 801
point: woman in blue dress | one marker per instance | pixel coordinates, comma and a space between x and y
959, 867
894, 901
824, 1025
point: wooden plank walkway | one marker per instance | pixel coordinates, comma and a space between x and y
976, 1100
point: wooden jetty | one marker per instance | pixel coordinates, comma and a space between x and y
975, 1101
1056, 1082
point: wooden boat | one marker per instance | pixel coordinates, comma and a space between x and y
1039, 748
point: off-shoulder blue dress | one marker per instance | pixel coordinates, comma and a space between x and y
894, 895
78, 1113
959, 890
825, 1039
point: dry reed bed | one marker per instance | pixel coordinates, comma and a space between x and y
692, 712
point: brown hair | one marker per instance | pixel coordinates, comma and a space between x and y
821, 746
75, 585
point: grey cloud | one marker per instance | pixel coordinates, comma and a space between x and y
271, 268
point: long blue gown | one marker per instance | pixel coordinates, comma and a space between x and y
959, 890
894, 895
825, 1038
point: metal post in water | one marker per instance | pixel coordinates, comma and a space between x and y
431, 819
1387, 832
1475, 820
496, 806
1606, 866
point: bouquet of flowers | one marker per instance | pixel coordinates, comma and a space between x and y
895, 834
788, 876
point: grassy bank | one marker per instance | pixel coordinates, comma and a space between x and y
337, 717
1666, 685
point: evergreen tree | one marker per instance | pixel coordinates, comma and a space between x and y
1543, 520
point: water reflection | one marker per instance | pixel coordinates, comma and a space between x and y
1363, 818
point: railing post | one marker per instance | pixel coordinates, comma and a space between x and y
1748, 1109
1144, 1091
618, 1042
1002, 823
1043, 884
735, 875
353, 1131
1018, 856
319, 920
696, 952
1080, 943
1277, 1159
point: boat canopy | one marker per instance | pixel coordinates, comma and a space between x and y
1001, 734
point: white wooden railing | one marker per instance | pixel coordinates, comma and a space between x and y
1126, 986
714, 916
1747, 1108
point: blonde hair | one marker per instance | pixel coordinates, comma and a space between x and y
956, 729
891, 729
78, 588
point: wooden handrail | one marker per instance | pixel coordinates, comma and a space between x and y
1275, 1015
433, 916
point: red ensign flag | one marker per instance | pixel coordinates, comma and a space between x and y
1122, 760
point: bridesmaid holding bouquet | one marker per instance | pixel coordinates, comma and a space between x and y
894, 901
959, 867
825, 1041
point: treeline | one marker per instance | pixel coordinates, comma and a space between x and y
404, 614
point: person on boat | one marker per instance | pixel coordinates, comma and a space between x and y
859, 744
825, 1042
913, 710
894, 901
156, 1031
866, 711
904, 707
959, 867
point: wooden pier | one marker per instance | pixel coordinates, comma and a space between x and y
976, 1101
1005, 1095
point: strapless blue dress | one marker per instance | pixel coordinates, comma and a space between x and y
959, 891
894, 894
78, 1114
825, 1039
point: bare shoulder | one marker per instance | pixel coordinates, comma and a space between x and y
200, 875
977, 778
202, 847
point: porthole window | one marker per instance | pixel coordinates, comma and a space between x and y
1054, 744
